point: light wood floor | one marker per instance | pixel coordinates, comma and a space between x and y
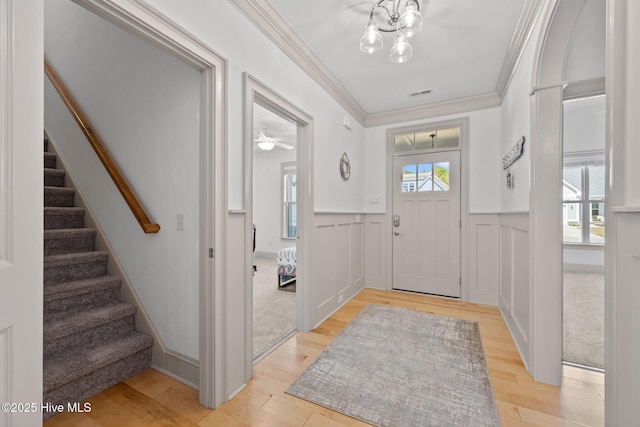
153, 399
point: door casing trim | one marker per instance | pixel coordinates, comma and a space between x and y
464, 124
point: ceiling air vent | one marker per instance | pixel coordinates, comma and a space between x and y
422, 92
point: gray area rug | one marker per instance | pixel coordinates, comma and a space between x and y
396, 367
274, 311
583, 319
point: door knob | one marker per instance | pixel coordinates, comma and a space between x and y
396, 233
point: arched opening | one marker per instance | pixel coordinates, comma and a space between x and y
545, 216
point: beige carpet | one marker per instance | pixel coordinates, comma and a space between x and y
274, 311
583, 319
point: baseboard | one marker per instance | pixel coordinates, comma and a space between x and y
235, 393
515, 341
339, 307
176, 367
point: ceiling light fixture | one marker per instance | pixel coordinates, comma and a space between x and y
406, 21
266, 145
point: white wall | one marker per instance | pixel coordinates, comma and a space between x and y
144, 104
484, 161
514, 292
515, 120
585, 58
225, 29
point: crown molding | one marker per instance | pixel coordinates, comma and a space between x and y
584, 88
523, 30
434, 109
268, 20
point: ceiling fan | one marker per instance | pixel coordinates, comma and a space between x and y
267, 143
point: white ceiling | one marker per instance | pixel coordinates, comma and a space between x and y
459, 53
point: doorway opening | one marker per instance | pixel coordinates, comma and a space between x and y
274, 228
285, 238
583, 221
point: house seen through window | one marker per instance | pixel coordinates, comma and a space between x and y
583, 214
425, 177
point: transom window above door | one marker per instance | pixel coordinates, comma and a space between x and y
426, 140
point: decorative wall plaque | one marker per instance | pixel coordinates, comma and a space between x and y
345, 167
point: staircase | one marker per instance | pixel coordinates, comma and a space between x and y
89, 337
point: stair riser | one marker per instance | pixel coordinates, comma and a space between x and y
57, 246
63, 199
56, 221
69, 273
89, 338
64, 307
97, 381
49, 161
53, 180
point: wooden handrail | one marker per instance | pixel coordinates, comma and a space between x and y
103, 155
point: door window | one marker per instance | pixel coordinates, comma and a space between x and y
425, 177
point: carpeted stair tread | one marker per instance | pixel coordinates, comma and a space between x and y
64, 241
66, 298
50, 160
54, 177
65, 267
89, 337
63, 217
59, 196
79, 287
68, 259
87, 319
69, 367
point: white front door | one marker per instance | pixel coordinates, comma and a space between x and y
21, 210
426, 223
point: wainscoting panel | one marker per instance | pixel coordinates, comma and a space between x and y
506, 266
323, 291
484, 259
235, 298
622, 362
520, 261
338, 262
342, 258
514, 293
376, 255
357, 254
